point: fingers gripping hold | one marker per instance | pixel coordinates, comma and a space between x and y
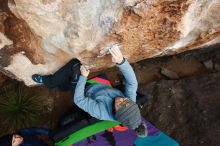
117, 56
84, 71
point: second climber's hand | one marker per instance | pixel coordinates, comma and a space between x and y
117, 56
84, 71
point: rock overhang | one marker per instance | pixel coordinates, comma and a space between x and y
51, 32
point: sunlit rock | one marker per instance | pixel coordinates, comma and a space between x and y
48, 33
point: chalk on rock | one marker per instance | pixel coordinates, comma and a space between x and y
168, 73
105, 51
208, 64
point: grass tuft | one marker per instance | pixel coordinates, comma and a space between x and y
19, 108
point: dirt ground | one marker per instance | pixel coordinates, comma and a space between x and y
183, 101
186, 109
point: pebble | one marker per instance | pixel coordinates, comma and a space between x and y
170, 74
208, 64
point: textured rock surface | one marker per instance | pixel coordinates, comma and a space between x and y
186, 109
47, 33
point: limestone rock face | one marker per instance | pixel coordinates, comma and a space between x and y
41, 36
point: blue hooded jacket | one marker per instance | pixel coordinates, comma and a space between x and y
97, 99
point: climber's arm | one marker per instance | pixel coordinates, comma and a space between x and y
126, 69
85, 103
131, 83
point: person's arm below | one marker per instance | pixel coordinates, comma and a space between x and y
37, 131
87, 104
131, 83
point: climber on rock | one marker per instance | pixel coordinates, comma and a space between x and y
99, 100
106, 103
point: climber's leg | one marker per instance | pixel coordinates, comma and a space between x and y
64, 77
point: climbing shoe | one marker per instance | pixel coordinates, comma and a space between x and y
37, 78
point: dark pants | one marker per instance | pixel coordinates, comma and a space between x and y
65, 78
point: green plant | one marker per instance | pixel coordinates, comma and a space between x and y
19, 108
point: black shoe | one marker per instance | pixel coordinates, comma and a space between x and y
75, 72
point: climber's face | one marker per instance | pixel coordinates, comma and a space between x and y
16, 140
121, 103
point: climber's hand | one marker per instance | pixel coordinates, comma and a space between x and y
84, 71
117, 56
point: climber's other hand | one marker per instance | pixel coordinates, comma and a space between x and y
84, 71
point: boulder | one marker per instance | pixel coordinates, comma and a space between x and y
48, 33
